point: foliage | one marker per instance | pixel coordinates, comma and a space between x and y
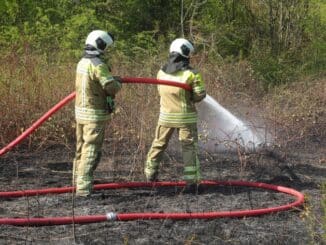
288, 31
281, 40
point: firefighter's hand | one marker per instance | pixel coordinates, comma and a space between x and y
118, 79
110, 103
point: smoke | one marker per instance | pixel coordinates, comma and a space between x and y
220, 130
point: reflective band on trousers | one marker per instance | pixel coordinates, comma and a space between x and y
191, 168
178, 117
91, 114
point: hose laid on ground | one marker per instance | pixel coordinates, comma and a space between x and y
71, 96
111, 216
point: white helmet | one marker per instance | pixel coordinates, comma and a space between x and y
99, 40
182, 46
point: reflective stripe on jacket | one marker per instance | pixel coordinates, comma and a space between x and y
93, 84
177, 104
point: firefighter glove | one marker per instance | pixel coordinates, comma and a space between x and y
110, 103
118, 79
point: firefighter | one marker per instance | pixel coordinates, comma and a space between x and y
95, 93
178, 112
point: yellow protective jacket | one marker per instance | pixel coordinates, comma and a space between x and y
177, 105
94, 83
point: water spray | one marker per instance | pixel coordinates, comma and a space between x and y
221, 130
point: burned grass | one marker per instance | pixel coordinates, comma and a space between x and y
52, 168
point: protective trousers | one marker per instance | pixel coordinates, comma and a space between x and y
188, 137
88, 154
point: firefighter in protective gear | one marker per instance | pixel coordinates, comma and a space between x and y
178, 112
94, 85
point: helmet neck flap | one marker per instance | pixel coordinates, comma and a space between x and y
91, 52
176, 62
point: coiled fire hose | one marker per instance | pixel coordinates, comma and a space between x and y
111, 216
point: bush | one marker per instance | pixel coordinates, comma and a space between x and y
273, 70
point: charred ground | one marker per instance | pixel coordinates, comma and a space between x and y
303, 169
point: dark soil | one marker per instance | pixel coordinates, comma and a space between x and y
303, 169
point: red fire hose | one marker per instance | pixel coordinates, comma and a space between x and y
71, 96
111, 216
133, 216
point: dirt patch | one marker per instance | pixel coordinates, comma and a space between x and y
302, 169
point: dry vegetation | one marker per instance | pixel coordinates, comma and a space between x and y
293, 113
